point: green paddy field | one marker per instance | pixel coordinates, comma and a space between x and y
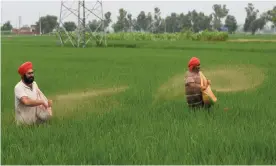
125, 104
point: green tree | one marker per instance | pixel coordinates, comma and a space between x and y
259, 23
135, 25
149, 22
107, 19
172, 23
272, 15
252, 22
219, 13
185, 21
200, 21
251, 16
94, 25
129, 22
157, 20
169, 24
231, 23
120, 25
142, 21
69, 26
48, 23
6, 26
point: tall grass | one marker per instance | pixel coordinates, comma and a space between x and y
128, 128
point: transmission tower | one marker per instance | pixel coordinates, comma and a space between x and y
81, 12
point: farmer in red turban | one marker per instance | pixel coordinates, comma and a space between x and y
193, 88
194, 63
31, 106
22, 70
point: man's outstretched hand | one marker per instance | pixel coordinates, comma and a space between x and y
44, 105
203, 88
50, 102
206, 86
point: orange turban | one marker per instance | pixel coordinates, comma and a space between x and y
24, 68
193, 62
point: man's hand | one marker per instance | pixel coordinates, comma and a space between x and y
203, 88
44, 105
50, 102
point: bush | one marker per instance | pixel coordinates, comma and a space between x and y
214, 36
184, 35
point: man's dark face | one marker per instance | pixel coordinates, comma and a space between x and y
197, 68
28, 78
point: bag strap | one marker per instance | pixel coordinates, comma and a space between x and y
203, 79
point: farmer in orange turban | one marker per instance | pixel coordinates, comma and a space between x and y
193, 87
31, 106
194, 63
22, 70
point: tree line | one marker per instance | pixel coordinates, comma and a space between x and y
175, 22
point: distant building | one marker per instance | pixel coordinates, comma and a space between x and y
26, 30
33, 27
14, 30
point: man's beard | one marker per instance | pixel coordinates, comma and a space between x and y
28, 80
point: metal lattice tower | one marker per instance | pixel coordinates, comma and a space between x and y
81, 12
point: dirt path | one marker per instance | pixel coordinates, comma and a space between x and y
252, 40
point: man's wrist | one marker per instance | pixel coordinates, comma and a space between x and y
40, 102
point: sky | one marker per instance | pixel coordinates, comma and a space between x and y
30, 10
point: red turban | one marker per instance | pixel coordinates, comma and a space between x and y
193, 62
24, 68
